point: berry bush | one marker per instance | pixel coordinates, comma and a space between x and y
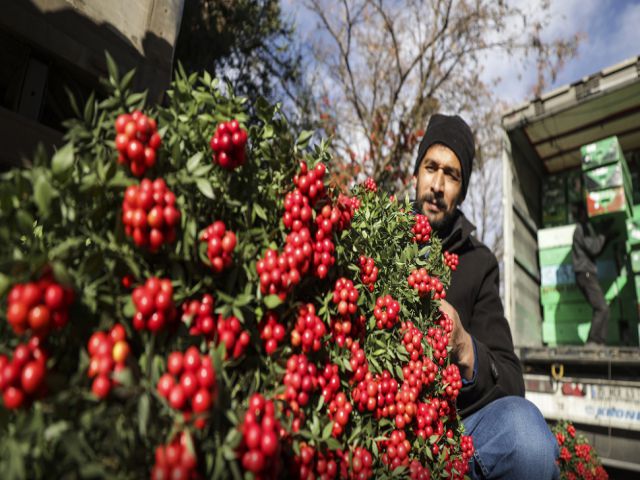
578, 459
231, 316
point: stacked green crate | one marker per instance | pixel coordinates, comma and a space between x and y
607, 180
567, 314
633, 240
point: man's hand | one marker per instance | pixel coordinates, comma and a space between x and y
460, 341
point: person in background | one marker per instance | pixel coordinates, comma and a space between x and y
587, 245
510, 435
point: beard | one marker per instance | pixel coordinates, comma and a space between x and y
442, 226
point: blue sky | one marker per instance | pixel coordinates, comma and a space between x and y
612, 34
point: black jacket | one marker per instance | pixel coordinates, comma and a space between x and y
587, 245
475, 294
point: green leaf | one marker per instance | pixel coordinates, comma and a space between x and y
62, 160
43, 193
53, 431
112, 68
5, 283
143, 414
205, 188
272, 301
125, 83
260, 211
303, 138
194, 161
326, 431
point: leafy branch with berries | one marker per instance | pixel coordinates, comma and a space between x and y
185, 294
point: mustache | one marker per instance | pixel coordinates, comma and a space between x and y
438, 201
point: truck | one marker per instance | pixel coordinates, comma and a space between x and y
597, 389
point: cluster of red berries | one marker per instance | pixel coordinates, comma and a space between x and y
189, 384
360, 466
358, 363
230, 333
300, 381
365, 394
228, 144
421, 229
323, 257
386, 311
347, 207
406, 405
429, 417
417, 471
451, 378
426, 419
419, 373
397, 448
438, 337
149, 214
329, 381
314, 465
309, 329
345, 296
109, 352
297, 211
339, 411
175, 461
341, 330
220, 245
272, 332
451, 260
137, 141
273, 281
370, 184
412, 340
38, 306
260, 446
22, 377
199, 317
368, 272
462, 465
387, 391
310, 181
424, 284
297, 255
154, 305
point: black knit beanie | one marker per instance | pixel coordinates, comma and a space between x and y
453, 132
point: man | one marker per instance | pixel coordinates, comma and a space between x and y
587, 245
511, 438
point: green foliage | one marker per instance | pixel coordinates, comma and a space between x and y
65, 213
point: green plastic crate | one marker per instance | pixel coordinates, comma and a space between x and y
575, 333
602, 152
635, 260
555, 256
608, 176
633, 231
607, 202
620, 308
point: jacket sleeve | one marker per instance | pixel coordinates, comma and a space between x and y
592, 244
498, 370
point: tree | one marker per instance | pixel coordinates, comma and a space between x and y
381, 69
247, 41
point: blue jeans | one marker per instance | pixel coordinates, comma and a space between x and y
512, 441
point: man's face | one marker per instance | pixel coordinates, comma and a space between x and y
439, 185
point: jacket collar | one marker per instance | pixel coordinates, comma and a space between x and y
460, 232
